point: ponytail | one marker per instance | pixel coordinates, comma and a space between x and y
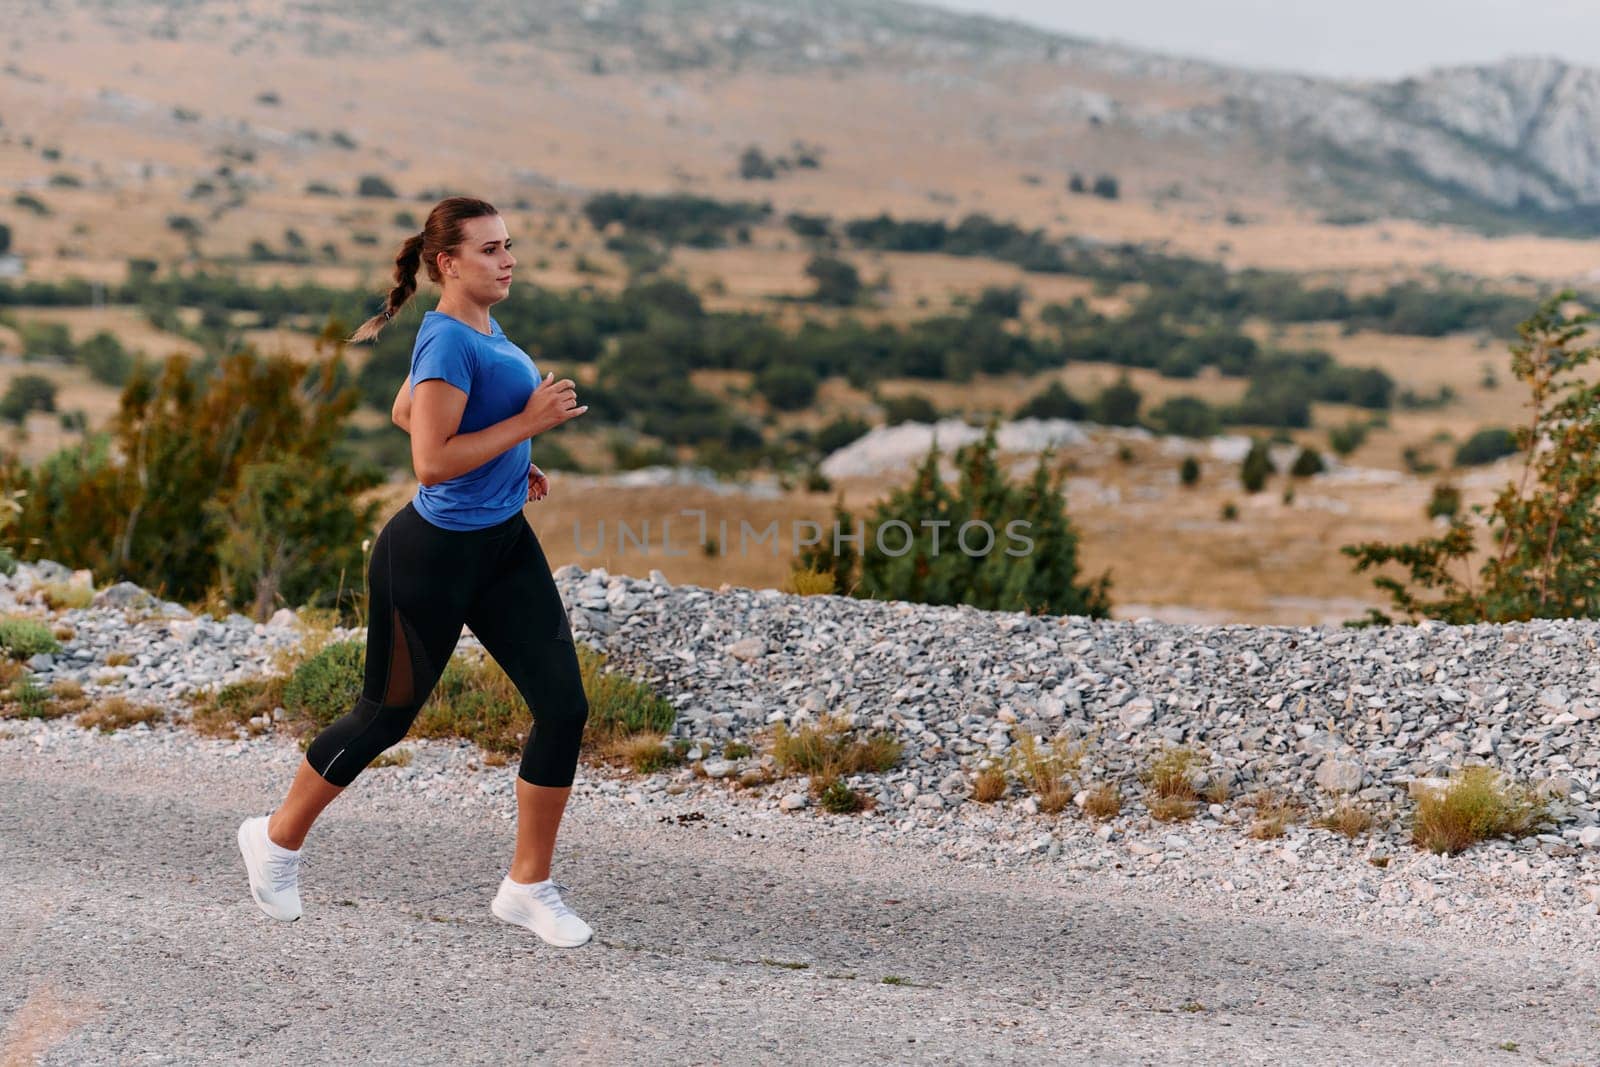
406, 265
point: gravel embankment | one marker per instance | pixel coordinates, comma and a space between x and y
1315, 714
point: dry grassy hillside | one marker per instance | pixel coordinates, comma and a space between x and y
259, 119
143, 101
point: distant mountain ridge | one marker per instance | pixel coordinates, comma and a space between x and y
1516, 138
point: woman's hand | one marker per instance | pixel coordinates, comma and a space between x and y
538, 483
552, 404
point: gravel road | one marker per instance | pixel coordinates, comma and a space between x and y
128, 936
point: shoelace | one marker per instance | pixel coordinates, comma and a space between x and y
549, 895
284, 871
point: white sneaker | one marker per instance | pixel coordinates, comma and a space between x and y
540, 908
274, 870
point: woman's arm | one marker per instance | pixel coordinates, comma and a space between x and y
439, 452
401, 412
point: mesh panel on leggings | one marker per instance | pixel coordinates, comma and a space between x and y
401, 684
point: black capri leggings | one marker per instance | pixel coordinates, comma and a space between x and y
423, 583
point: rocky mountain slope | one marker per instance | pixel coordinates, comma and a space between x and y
932, 95
1511, 138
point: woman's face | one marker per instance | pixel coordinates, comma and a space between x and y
481, 265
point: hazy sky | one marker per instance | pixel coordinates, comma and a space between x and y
1348, 38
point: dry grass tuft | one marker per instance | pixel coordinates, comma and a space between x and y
1170, 775
1169, 780
1103, 802
61, 596
1273, 814
645, 753
117, 713
118, 659
228, 710
1349, 818
23, 698
831, 749
1048, 771
1171, 809
1479, 803
803, 581
394, 757
828, 752
990, 785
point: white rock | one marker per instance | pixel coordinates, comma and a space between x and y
1340, 775
1137, 713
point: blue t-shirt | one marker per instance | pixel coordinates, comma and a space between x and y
498, 377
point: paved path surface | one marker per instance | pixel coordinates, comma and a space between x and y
125, 909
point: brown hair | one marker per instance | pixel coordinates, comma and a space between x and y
441, 233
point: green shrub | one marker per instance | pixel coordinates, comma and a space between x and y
1256, 467
1446, 501
1540, 526
326, 686
1486, 446
909, 407
619, 705
22, 638
838, 798
475, 700
1052, 402
27, 392
1189, 472
26, 699
840, 432
1307, 463
1187, 416
373, 185
787, 387
837, 281
1347, 438
1002, 301
1117, 404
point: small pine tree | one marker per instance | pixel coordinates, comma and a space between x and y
1307, 463
1032, 566
1189, 472
1117, 404
1256, 468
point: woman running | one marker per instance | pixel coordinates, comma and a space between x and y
460, 552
